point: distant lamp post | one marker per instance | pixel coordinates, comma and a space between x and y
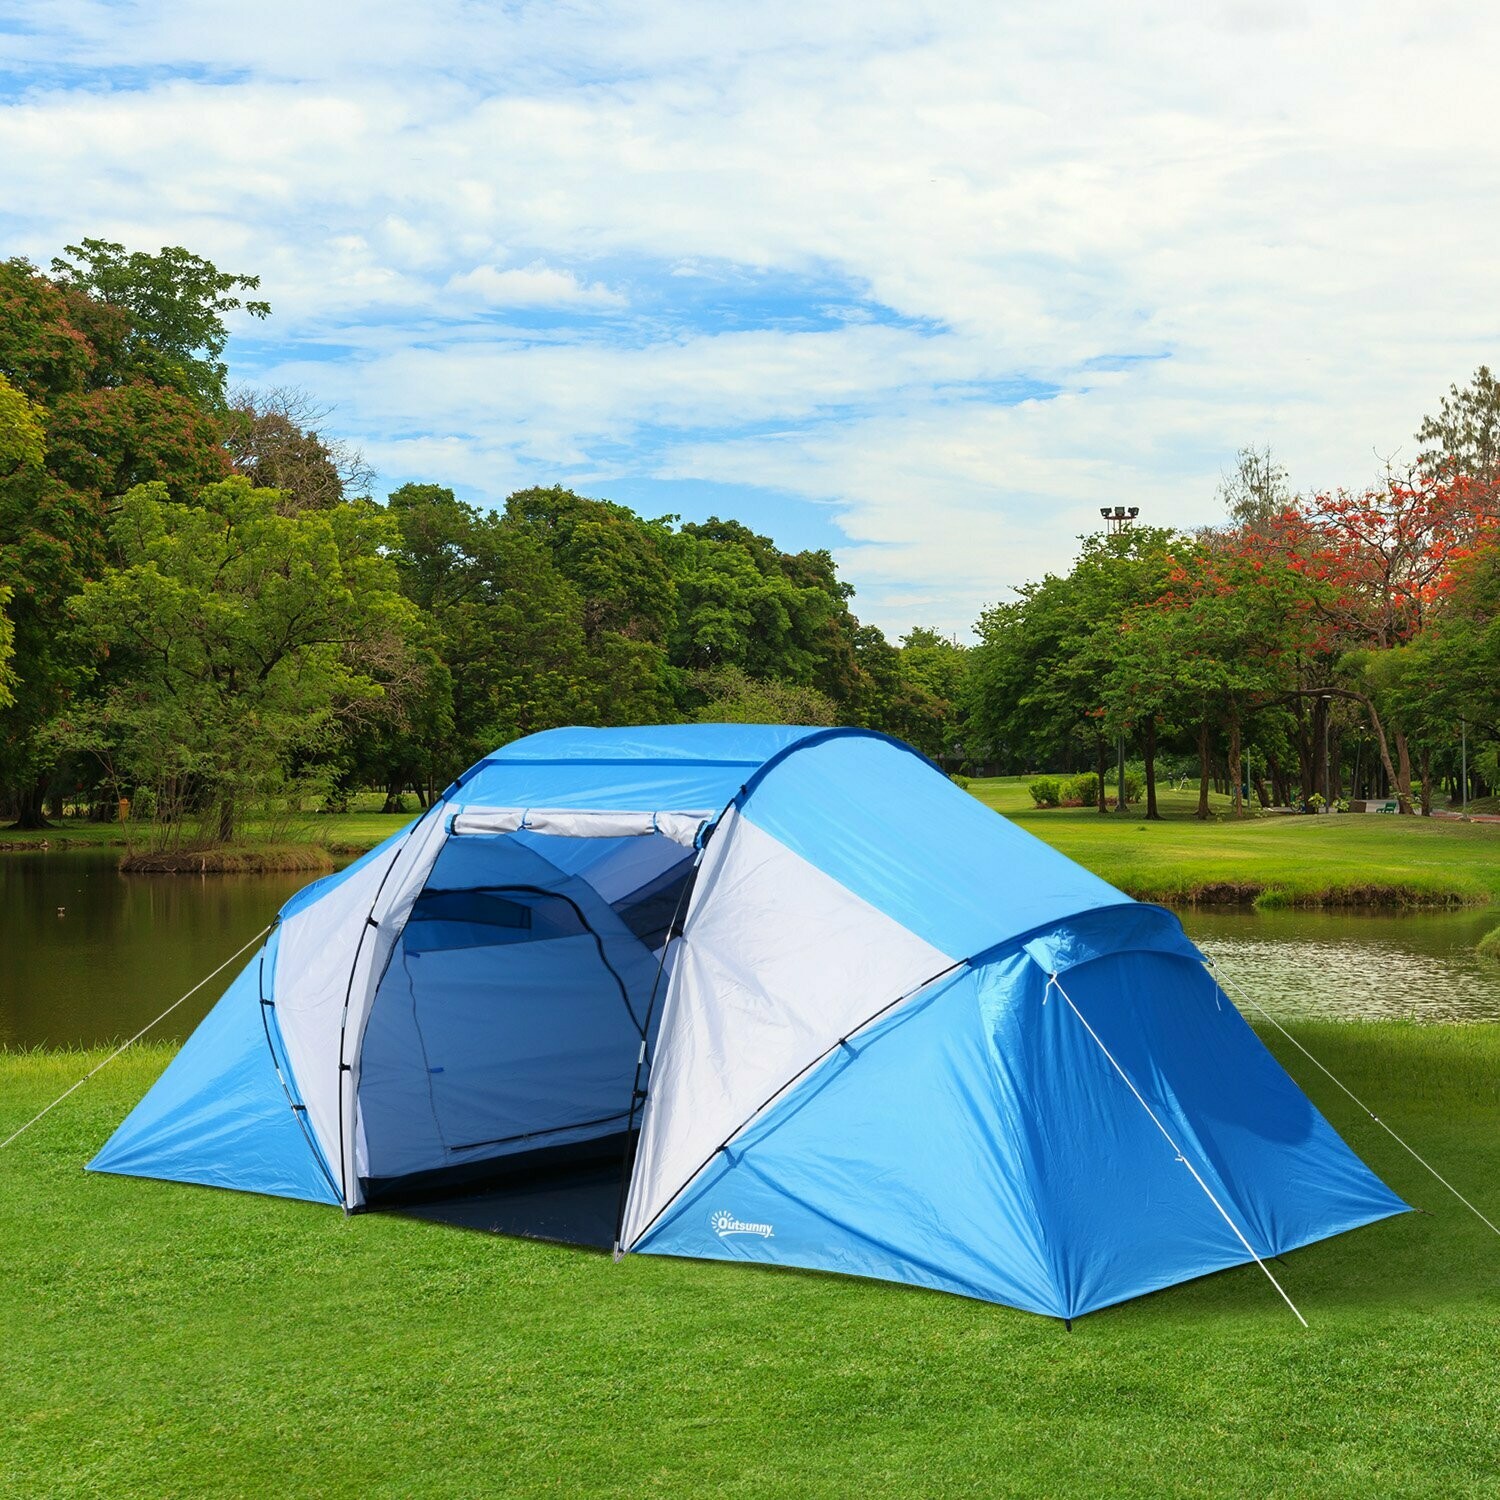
1327, 780
1117, 518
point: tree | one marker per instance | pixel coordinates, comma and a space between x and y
731, 696
1257, 490
1037, 680
273, 440
7, 651
249, 637
504, 621
175, 302
1463, 438
23, 443
107, 426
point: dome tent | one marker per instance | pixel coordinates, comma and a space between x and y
815, 1005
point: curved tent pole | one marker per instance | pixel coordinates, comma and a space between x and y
1177, 1150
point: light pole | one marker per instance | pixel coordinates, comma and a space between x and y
1327, 782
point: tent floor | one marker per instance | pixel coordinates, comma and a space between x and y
575, 1208
571, 1196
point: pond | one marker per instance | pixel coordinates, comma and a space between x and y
88, 955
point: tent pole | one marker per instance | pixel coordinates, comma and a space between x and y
1251, 1000
125, 1046
1177, 1150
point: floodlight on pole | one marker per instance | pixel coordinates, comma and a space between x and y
1117, 518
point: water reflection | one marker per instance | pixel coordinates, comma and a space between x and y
88, 955
1363, 965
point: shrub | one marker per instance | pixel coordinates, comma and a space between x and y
958, 780
1046, 791
1082, 790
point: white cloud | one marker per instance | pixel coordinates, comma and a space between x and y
536, 285
1289, 208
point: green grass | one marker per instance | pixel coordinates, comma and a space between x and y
163, 1340
1343, 860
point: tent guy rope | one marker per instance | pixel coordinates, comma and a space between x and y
125, 1046
1177, 1150
1250, 999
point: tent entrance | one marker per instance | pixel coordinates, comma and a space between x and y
498, 1063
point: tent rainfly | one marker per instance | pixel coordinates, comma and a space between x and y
756, 993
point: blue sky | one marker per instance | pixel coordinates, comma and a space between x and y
925, 285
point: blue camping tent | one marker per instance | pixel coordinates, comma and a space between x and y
799, 996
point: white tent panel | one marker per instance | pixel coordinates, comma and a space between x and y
315, 951
776, 963
680, 827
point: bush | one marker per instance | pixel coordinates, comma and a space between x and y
959, 780
1082, 790
1046, 791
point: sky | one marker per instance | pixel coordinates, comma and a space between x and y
924, 284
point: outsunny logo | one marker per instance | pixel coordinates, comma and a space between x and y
724, 1224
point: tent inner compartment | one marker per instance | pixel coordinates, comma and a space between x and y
498, 1062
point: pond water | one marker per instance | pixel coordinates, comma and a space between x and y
88, 955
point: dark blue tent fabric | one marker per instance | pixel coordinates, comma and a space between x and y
219, 1115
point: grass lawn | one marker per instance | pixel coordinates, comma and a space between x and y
167, 1340
1345, 859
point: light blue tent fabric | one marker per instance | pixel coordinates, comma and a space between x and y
973, 1134
1013, 1163
219, 1115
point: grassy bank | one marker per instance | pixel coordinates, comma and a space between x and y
1272, 861
167, 1340
1347, 860
230, 859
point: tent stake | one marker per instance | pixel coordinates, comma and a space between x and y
1208, 1191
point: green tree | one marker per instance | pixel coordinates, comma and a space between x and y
248, 636
1462, 438
732, 696
23, 442
1037, 680
7, 652
505, 622
108, 425
175, 302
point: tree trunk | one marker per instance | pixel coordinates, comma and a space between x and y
1234, 767
1101, 767
1280, 793
1385, 752
393, 790
1426, 764
31, 805
1203, 769
1152, 815
1403, 773
225, 819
